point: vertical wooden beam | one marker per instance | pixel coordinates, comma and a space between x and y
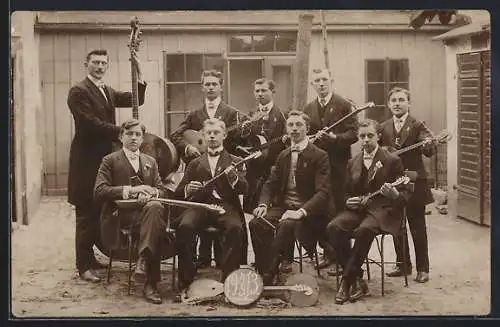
325, 39
302, 61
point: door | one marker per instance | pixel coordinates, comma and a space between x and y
242, 73
280, 70
473, 136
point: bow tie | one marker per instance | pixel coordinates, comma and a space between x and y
322, 102
210, 105
295, 148
100, 84
213, 153
399, 121
133, 156
368, 157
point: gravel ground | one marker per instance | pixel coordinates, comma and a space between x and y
45, 283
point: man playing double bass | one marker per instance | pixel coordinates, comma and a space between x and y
92, 104
325, 110
223, 191
400, 131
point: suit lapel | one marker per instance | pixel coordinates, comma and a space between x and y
95, 92
372, 172
357, 166
286, 168
221, 111
405, 130
146, 172
126, 164
203, 114
205, 166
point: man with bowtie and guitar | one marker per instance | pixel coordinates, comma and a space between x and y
215, 177
374, 204
400, 132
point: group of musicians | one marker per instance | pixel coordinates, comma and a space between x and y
300, 187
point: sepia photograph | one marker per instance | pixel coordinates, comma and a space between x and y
250, 163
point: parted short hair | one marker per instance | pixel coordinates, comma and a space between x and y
369, 122
129, 123
212, 72
319, 70
299, 113
398, 89
214, 121
97, 52
270, 83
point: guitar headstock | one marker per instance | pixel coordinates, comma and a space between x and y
367, 105
135, 33
443, 136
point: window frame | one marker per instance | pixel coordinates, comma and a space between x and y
261, 53
386, 82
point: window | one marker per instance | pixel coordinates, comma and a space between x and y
182, 84
264, 42
381, 76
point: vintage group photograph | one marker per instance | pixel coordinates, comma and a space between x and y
245, 163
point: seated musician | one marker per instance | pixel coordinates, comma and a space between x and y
223, 191
300, 184
130, 174
372, 169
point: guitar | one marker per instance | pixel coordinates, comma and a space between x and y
196, 139
159, 148
132, 204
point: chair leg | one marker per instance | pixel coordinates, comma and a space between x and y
337, 277
174, 261
109, 265
405, 259
382, 263
316, 259
300, 255
367, 262
129, 263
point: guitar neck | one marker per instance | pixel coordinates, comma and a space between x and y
135, 96
185, 204
409, 148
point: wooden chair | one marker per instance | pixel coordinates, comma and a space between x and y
301, 256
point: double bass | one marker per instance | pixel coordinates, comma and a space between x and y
158, 147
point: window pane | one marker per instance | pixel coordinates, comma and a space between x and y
379, 113
194, 67
175, 68
375, 70
194, 96
286, 42
240, 43
175, 97
263, 43
398, 70
403, 85
376, 93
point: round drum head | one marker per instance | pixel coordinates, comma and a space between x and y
301, 299
243, 287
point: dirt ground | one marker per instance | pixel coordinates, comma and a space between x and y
45, 283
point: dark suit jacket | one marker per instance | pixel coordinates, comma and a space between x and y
194, 120
272, 128
413, 131
312, 178
386, 211
339, 150
95, 130
115, 172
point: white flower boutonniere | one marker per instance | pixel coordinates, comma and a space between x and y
147, 166
378, 165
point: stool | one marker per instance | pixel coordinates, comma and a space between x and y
301, 257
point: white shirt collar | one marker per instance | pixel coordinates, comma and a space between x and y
302, 144
129, 154
372, 154
267, 107
403, 118
219, 149
215, 102
327, 98
97, 82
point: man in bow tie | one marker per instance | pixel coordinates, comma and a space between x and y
325, 110
223, 191
130, 174
398, 132
213, 107
92, 104
295, 200
372, 169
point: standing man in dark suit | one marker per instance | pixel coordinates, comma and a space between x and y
325, 110
295, 199
372, 169
398, 132
213, 107
130, 174
224, 191
92, 104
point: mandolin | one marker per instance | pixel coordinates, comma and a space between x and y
403, 180
443, 137
159, 148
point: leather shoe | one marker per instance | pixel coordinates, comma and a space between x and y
89, 276
358, 290
422, 277
324, 263
398, 272
140, 270
151, 294
286, 267
343, 294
